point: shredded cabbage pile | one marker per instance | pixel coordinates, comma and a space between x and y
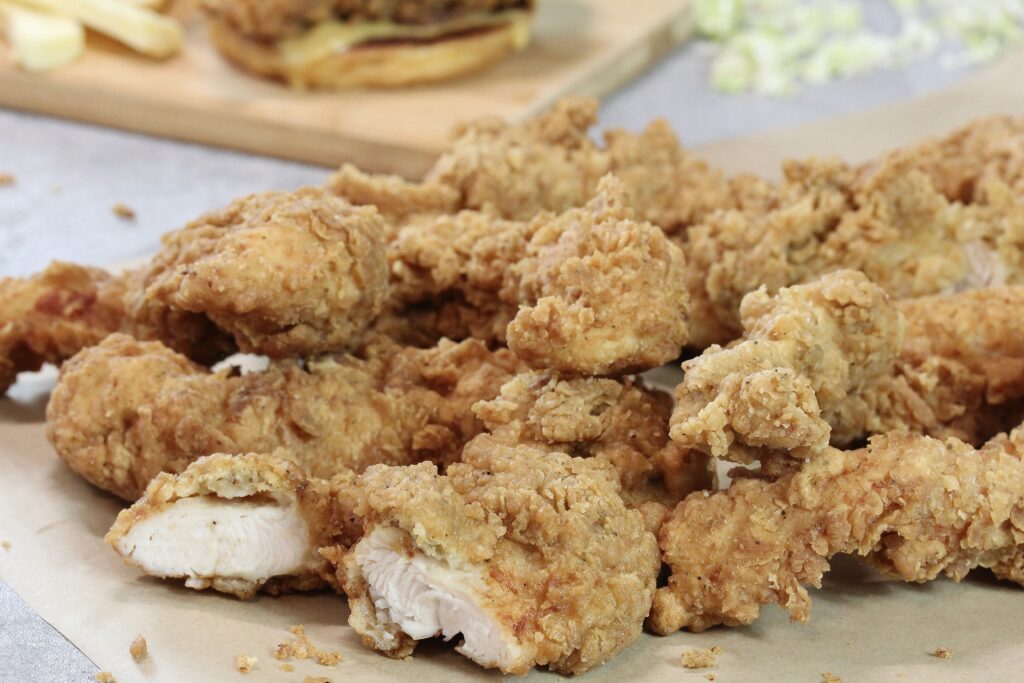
774, 47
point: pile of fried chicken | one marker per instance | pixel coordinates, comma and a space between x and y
449, 426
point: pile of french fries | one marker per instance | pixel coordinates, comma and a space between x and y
45, 34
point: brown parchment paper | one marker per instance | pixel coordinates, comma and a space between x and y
861, 628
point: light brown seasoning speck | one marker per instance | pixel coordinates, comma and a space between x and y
943, 653
829, 677
6, 545
124, 211
245, 663
6, 179
701, 658
139, 648
105, 677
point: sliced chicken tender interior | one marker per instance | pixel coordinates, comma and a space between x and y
204, 537
427, 597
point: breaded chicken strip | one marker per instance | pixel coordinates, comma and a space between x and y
967, 163
808, 355
278, 273
834, 361
916, 506
591, 291
239, 524
621, 422
530, 555
891, 223
124, 411
550, 164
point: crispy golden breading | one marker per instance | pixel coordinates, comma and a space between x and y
325, 506
891, 223
808, 355
834, 361
50, 316
591, 291
550, 164
550, 565
284, 273
278, 273
965, 164
124, 411
916, 506
621, 422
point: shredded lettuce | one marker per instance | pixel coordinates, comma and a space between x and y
774, 47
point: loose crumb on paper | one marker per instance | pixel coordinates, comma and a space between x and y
701, 658
6, 545
303, 648
316, 679
943, 653
287, 668
6, 179
139, 648
829, 677
710, 677
245, 663
105, 677
124, 211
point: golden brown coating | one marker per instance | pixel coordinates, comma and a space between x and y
124, 411
277, 273
50, 316
917, 506
591, 291
550, 164
548, 565
284, 273
965, 164
889, 222
621, 422
834, 361
808, 355
248, 482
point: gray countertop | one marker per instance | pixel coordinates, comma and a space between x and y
69, 176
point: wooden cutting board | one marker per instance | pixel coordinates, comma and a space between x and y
585, 47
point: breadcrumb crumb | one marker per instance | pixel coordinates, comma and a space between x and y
5, 544
124, 211
303, 648
701, 658
710, 677
829, 677
245, 663
316, 679
139, 648
943, 653
287, 668
6, 179
105, 677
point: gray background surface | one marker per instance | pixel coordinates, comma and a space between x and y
70, 175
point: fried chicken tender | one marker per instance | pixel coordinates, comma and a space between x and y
591, 291
620, 422
917, 507
283, 273
965, 164
278, 273
124, 411
239, 524
50, 316
890, 222
531, 555
549, 164
834, 361
809, 354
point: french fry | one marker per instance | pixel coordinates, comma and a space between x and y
40, 41
142, 30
